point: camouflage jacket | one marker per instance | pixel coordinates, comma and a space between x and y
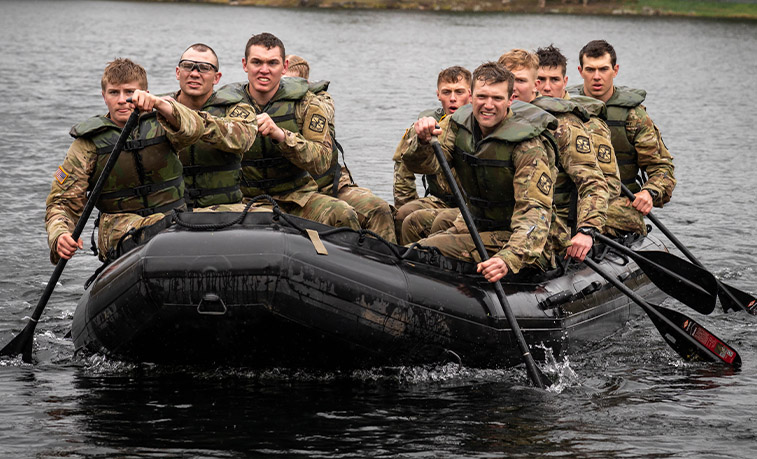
68, 194
532, 185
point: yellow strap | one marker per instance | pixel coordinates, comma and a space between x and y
315, 238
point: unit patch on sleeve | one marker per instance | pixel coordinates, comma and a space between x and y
239, 112
317, 123
604, 155
544, 184
61, 175
582, 144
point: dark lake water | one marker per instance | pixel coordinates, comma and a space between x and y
627, 396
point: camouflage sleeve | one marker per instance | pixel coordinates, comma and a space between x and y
579, 160
533, 187
602, 141
311, 148
68, 193
404, 188
420, 158
191, 126
652, 155
234, 133
327, 103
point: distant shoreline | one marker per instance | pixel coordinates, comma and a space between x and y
739, 10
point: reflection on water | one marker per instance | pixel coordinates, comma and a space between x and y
626, 396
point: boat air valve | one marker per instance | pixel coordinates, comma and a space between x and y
211, 304
555, 300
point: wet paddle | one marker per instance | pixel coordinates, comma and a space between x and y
687, 283
731, 298
22, 343
538, 378
689, 339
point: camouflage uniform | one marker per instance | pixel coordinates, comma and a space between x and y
68, 194
579, 177
513, 218
639, 150
211, 166
284, 170
415, 215
373, 212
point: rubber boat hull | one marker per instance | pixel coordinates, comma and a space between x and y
259, 294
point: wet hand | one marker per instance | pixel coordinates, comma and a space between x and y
425, 128
267, 128
643, 202
493, 269
580, 246
66, 246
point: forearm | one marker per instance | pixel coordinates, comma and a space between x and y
404, 188
234, 133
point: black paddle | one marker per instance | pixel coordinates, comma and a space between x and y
22, 343
688, 283
730, 297
689, 339
538, 378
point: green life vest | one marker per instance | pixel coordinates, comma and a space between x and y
431, 182
147, 177
484, 166
211, 176
264, 169
565, 191
620, 104
331, 176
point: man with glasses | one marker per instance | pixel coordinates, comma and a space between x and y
293, 143
211, 170
146, 183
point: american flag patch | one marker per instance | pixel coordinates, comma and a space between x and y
61, 175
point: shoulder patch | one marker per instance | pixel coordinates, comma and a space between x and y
582, 144
544, 184
240, 112
61, 175
317, 123
604, 154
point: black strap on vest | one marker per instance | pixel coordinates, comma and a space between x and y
134, 145
143, 190
160, 209
485, 224
265, 162
195, 193
474, 161
197, 169
334, 171
282, 118
265, 184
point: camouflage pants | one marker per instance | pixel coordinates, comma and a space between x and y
456, 242
114, 226
324, 209
429, 202
373, 212
621, 216
424, 222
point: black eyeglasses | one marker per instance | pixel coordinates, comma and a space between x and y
202, 67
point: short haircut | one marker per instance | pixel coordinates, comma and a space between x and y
492, 73
121, 70
552, 57
518, 58
201, 48
268, 40
595, 49
298, 67
453, 75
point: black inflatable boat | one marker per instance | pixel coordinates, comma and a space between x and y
282, 291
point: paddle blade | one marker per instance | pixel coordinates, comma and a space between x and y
21, 344
684, 281
712, 349
734, 299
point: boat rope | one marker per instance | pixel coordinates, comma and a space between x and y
222, 225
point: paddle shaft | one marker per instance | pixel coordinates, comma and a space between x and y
724, 289
678, 335
537, 377
22, 344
